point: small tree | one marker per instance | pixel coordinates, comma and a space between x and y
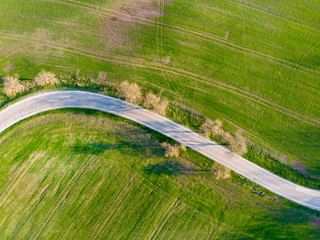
220, 172
227, 137
12, 86
211, 127
131, 92
173, 150
152, 101
238, 144
45, 78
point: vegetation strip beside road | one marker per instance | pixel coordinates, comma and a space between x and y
76, 99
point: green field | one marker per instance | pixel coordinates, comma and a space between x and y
252, 63
78, 176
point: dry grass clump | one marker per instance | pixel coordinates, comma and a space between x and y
45, 78
156, 103
238, 144
227, 137
173, 150
166, 60
211, 127
183, 147
9, 67
220, 171
131, 92
12, 86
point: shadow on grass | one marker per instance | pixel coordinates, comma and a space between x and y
135, 148
282, 224
96, 148
169, 169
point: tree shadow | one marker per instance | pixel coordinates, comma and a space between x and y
288, 219
137, 147
95, 148
169, 169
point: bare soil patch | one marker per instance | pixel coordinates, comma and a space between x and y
113, 28
299, 167
9, 67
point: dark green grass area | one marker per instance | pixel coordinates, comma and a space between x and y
269, 163
253, 63
85, 174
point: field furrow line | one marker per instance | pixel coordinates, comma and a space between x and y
18, 177
251, 97
67, 232
107, 222
81, 6
168, 233
251, 134
277, 15
213, 231
82, 169
159, 226
238, 48
106, 11
162, 88
210, 82
160, 43
221, 85
215, 39
17, 50
6, 51
189, 75
93, 194
109, 211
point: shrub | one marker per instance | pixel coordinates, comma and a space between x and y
173, 150
227, 137
44, 78
154, 102
211, 127
130, 92
238, 144
183, 147
220, 171
12, 86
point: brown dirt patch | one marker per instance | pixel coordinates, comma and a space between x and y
166, 60
299, 167
113, 28
40, 35
103, 76
9, 67
227, 35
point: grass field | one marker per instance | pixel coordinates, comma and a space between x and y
77, 176
253, 63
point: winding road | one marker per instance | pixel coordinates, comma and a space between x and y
78, 99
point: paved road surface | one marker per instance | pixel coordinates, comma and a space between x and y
77, 99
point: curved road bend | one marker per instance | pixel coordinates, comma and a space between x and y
78, 99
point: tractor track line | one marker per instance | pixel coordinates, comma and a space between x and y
218, 40
186, 74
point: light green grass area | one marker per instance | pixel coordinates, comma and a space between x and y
253, 63
77, 176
